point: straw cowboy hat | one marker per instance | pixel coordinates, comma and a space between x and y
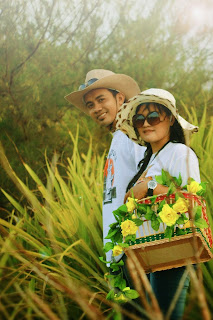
100, 78
163, 97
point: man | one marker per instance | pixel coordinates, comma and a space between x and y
100, 97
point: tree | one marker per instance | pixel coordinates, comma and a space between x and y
47, 47
43, 46
158, 44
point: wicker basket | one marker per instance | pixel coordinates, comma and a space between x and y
156, 253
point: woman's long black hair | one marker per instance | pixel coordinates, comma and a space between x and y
176, 136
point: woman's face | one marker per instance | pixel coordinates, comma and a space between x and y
156, 135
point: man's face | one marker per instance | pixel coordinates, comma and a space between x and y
103, 106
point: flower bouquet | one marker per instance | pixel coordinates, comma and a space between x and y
165, 231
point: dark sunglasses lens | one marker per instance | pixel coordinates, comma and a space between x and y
87, 84
138, 121
153, 118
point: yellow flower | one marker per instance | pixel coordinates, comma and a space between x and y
131, 204
128, 227
181, 205
194, 187
117, 250
134, 216
168, 215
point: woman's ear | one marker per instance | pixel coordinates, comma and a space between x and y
120, 98
172, 120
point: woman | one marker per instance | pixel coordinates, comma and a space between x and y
151, 118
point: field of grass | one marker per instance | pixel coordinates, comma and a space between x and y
51, 241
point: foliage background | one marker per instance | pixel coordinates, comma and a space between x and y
47, 47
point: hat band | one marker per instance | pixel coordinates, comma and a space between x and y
87, 84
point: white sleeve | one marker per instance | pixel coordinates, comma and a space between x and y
187, 165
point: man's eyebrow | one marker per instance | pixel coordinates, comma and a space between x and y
101, 95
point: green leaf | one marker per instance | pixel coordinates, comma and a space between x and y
118, 237
130, 237
111, 233
121, 284
142, 208
102, 260
201, 223
180, 232
124, 245
164, 178
167, 178
169, 232
138, 222
178, 181
119, 263
121, 211
123, 208
159, 219
185, 217
176, 196
115, 315
197, 212
114, 225
155, 223
153, 198
200, 193
149, 214
181, 220
108, 246
159, 179
190, 180
114, 267
131, 294
110, 295
203, 185
160, 207
172, 189
118, 281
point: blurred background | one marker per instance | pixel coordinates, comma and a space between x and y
48, 46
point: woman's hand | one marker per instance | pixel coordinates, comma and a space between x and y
139, 191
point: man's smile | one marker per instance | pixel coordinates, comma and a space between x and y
101, 116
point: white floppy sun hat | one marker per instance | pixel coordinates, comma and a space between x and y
161, 96
106, 79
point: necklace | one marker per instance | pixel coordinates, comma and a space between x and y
157, 153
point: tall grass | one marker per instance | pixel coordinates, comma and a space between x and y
50, 247
202, 143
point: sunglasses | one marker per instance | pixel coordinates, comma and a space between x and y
87, 84
153, 118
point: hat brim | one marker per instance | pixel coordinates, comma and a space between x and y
119, 82
128, 110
